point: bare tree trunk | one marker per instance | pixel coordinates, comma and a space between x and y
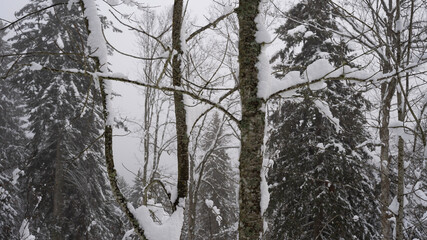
400, 189
58, 200
251, 125
387, 92
146, 140
180, 113
192, 201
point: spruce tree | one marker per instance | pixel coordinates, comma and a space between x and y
216, 206
137, 190
320, 185
12, 150
416, 191
67, 194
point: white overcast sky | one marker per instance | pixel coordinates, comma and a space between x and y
126, 149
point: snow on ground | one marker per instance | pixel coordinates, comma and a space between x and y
170, 229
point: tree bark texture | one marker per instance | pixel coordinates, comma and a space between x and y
401, 143
192, 201
251, 125
180, 113
387, 91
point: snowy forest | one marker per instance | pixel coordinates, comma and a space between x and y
251, 119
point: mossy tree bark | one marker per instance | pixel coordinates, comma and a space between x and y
180, 113
251, 125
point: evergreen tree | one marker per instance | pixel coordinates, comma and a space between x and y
321, 187
415, 190
67, 193
216, 206
12, 150
137, 190
308, 35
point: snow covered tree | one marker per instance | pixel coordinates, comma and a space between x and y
321, 186
67, 195
416, 193
12, 150
136, 192
396, 38
213, 207
308, 35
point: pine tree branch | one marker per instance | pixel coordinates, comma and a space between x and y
30, 14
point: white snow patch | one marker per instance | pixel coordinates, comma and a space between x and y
60, 42
170, 229
318, 69
356, 218
323, 108
263, 65
118, 75
299, 29
399, 25
183, 36
15, 175
113, 2
35, 66
265, 81
321, 147
209, 203
261, 35
394, 205
265, 195
173, 192
309, 34
24, 231
98, 48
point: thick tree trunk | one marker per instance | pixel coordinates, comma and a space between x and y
400, 189
251, 125
387, 91
180, 113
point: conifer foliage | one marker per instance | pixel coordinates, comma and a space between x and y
216, 207
12, 151
66, 196
320, 186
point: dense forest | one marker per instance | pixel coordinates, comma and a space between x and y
299, 119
